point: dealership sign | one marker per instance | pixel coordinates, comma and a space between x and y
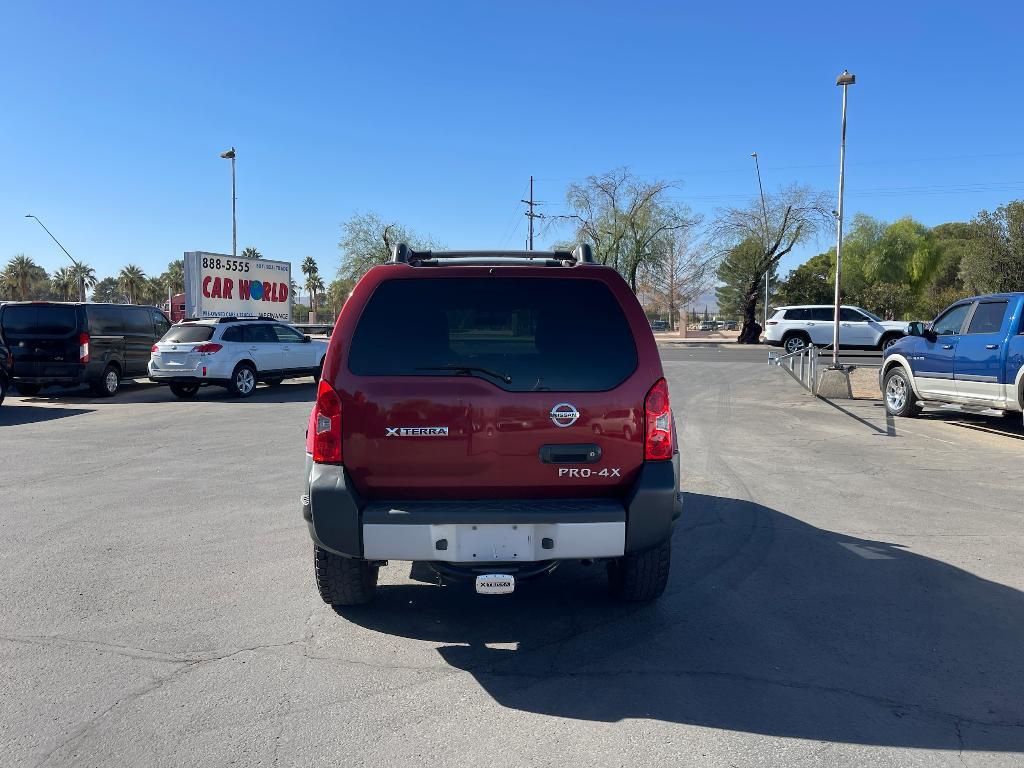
217, 285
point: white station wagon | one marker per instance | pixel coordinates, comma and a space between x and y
795, 328
233, 353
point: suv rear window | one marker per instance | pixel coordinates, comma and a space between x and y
39, 320
546, 334
185, 334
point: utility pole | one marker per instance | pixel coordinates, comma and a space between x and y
531, 216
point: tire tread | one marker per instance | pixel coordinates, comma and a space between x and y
344, 580
641, 576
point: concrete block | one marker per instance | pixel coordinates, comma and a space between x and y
834, 384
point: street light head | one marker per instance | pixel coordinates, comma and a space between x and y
229, 154
29, 216
753, 154
846, 78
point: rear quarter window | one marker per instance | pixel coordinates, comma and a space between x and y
546, 334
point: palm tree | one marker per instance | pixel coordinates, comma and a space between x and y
154, 291
86, 274
64, 283
311, 271
20, 274
174, 277
251, 253
316, 286
132, 281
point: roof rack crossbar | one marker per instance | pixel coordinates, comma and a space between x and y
581, 254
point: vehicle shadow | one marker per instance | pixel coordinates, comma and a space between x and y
769, 626
1011, 425
13, 415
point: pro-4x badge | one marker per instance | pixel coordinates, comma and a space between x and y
417, 431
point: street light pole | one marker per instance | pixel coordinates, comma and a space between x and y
764, 212
845, 80
81, 275
230, 155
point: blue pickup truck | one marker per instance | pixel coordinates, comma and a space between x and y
972, 354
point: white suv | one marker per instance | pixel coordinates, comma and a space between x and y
795, 328
233, 353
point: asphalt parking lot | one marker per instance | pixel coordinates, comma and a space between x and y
846, 591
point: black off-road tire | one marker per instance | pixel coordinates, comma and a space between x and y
108, 383
29, 390
344, 580
184, 391
640, 576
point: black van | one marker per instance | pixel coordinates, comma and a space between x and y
70, 343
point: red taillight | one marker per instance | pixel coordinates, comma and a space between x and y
83, 347
208, 349
154, 349
324, 435
658, 417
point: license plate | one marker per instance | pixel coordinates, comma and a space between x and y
495, 584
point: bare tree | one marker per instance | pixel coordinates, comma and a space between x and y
789, 217
367, 240
676, 277
625, 219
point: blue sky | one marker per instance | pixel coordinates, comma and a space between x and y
435, 115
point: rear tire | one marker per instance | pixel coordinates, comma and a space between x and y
184, 391
344, 580
243, 380
794, 342
899, 396
640, 576
29, 390
107, 384
319, 372
3, 390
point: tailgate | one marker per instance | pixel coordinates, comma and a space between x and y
473, 387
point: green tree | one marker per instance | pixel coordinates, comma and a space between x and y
810, 283
64, 284
735, 273
107, 290
337, 294
23, 279
250, 252
174, 276
367, 240
132, 281
311, 271
785, 219
995, 261
627, 221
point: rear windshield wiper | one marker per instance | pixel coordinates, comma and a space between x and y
466, 370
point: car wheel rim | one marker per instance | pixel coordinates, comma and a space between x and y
896, 393
111, 381
888, 343
245, 381
794, 345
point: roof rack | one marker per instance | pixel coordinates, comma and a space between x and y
581, 254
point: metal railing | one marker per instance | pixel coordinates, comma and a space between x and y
802, 366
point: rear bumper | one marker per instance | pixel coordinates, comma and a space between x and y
179, 379
512, 530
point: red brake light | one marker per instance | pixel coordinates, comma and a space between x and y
658, 443
208, 349
154, 349
83, 347
324, 435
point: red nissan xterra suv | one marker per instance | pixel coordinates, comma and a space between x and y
459, 423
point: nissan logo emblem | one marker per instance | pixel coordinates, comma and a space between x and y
564, 415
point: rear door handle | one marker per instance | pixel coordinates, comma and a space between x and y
991, 346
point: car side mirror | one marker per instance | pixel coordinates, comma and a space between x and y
916, 328
305, 338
